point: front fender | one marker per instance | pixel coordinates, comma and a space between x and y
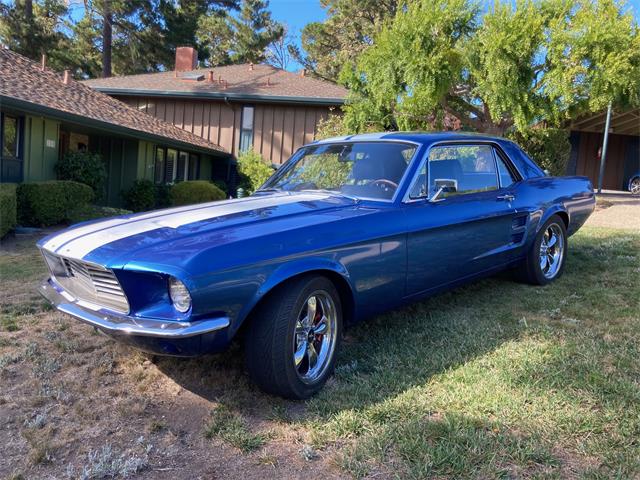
289, 270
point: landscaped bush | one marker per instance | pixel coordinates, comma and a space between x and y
548, 147
8, 208
222, 185
163, 196
83, 167
49, 203
94, 212
195, 191
253, 171
141, 196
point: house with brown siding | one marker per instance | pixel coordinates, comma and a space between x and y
237, 107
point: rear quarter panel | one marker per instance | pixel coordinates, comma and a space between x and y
542, 197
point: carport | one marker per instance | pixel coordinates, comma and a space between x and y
622, 152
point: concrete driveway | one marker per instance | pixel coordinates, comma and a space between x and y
616, 210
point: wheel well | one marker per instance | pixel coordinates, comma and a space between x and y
565, 218
342, 286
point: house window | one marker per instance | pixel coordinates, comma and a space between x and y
171, 164
10, 137
159, 165
175, 166
246, 132
11, 148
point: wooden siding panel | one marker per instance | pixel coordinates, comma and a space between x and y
227, 122
178, 114
309, 125
188, 117
198, 109
288, 131
237, 118
278, 129
258, 119
299, 124
267, 133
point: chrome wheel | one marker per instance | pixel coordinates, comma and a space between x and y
634, 187
315, 336
551, 251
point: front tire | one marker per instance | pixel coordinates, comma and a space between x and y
546, 258
291, 344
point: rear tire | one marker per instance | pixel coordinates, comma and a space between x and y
287, 353
546, 258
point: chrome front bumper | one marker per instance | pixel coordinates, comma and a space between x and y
116, 324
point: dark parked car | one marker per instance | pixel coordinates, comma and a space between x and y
346, 229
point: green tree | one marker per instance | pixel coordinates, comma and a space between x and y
239, 39
514, 64
181, 24
348, 30
35, 28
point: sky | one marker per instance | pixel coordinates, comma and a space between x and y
297, 13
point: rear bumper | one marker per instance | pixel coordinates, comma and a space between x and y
160, 337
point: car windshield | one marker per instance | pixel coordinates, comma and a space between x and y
364, 170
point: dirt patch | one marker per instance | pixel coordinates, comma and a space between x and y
74, 402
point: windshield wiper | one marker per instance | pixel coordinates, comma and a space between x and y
270, 189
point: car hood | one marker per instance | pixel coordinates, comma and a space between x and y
116, 241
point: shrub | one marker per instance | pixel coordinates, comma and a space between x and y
163, 196
94, 212
83, 167
222, 185
548, 147
49, 203
195, 191
141, 196
253, 171
8, 208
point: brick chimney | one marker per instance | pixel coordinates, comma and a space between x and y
66, 79
186, 59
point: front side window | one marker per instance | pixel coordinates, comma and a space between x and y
371, 170
246, 132
462, 169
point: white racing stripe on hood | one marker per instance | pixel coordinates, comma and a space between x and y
104, 233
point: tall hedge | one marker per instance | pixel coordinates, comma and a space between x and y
195, 191
41, 204
8, 208
548, 147
253, 170
84, 167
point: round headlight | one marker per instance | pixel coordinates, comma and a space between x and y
179, 295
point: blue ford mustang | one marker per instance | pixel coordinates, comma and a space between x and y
347, 228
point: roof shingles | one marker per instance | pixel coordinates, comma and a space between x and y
243, 80
24, 80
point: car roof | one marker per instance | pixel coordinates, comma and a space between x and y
416, 137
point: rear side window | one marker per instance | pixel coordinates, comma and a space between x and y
462, 169
506, 177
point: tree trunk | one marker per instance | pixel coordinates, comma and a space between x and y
28, 10
107, 38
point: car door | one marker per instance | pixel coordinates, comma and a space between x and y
459, 217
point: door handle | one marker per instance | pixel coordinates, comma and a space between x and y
507, 197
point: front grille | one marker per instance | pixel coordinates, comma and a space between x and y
93, 284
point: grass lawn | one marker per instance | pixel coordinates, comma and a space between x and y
496, 379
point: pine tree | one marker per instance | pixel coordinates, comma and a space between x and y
239, 39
